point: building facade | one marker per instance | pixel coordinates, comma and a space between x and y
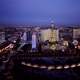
76, 33
49, 34
2, 37
66, 33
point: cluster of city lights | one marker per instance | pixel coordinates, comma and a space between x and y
10, 46
51, 67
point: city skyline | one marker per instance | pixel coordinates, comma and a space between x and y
39, 11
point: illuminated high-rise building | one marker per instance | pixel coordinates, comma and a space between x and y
54, 33
24, 38
51, 34
34, 40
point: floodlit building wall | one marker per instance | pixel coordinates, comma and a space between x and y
48, 34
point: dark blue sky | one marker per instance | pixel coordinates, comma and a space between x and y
39, 11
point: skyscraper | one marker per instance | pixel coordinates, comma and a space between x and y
29, 36
24, 38
34, 40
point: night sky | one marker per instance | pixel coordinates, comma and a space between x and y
39, 11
